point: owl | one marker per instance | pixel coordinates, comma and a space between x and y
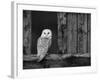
43, 44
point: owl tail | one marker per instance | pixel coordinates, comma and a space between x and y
40, 58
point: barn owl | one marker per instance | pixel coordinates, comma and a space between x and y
43, 43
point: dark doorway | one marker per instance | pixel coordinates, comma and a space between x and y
44, 20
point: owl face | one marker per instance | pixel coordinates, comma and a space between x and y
46, 33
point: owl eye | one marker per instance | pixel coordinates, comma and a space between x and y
44, 33
48, 32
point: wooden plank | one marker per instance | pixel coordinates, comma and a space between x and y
64, 26
74, 33
27, 32
69, 33
84, 28
82, 33
89, 33
62, 31
59, 31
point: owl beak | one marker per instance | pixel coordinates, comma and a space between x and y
50, 37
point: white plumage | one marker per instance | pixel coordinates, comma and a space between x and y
43, 43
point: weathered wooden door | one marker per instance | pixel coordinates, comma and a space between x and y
74, 33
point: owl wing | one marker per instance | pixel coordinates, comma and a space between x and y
42, 47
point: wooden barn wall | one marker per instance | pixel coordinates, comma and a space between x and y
74, 33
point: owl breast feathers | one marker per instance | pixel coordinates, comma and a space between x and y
44, 43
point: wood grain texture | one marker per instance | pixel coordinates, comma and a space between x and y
74, 35
89, 33
27, 32
82, 33
62, 31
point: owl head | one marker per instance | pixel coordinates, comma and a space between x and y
46, 33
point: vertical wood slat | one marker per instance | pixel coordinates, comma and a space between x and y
62, 31
79, 34
72, 33
89, 33
85, 34
69, 33
27, 32
59, 31
82, 33
64, 27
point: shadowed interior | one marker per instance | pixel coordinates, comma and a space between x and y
44, 20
